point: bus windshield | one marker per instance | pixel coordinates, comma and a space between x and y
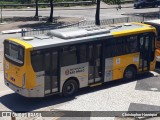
14, 52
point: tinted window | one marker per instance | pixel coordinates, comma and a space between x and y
82, 53
37, 61
54, 62
131, 44
71, 55
121, 46
98, 51
14, 52
68, 55
47, 61
109, 48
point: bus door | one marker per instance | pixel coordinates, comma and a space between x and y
145, 52
95, 63
51, 72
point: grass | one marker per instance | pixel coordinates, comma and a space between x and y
3, 2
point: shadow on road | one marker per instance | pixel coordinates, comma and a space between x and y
41, 22
19, 103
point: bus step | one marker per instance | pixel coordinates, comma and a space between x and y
96, 84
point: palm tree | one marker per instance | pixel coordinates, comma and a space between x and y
97, 21
97, 18
36, 14
50, 19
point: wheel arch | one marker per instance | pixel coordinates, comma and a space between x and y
133, 71
65, 82
132, 65
72, 78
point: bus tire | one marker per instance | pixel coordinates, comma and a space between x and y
129, 73
70, 87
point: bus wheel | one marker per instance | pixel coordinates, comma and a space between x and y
69, 88
129, 73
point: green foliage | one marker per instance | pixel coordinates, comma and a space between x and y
33, 1
39, 1
113, 1
8, 2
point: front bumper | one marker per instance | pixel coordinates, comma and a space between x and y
36, 92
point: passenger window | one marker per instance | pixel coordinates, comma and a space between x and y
109, 47
54, 63
68, 55
121, 46
90, 53
147, 43
82, 53
47, 62
98, 51
132, 44
37, 61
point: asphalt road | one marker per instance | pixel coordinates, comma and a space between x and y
142, 94
88, 12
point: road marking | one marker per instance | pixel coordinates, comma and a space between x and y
154, 89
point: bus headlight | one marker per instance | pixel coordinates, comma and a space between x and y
23, 80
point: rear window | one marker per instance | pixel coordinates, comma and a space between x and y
14, 53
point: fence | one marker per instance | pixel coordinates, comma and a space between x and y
87, 23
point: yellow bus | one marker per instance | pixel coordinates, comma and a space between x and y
64, 60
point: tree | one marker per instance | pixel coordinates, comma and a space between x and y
112, 1
97, 16
36, 14
97, 22
50, 19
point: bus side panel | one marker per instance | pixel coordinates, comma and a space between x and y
108, 69
34, 80
78, 71
30, 74
121, 63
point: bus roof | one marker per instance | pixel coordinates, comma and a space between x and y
157, 21
66, 36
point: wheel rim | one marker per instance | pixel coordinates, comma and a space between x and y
70, 88
129, 74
